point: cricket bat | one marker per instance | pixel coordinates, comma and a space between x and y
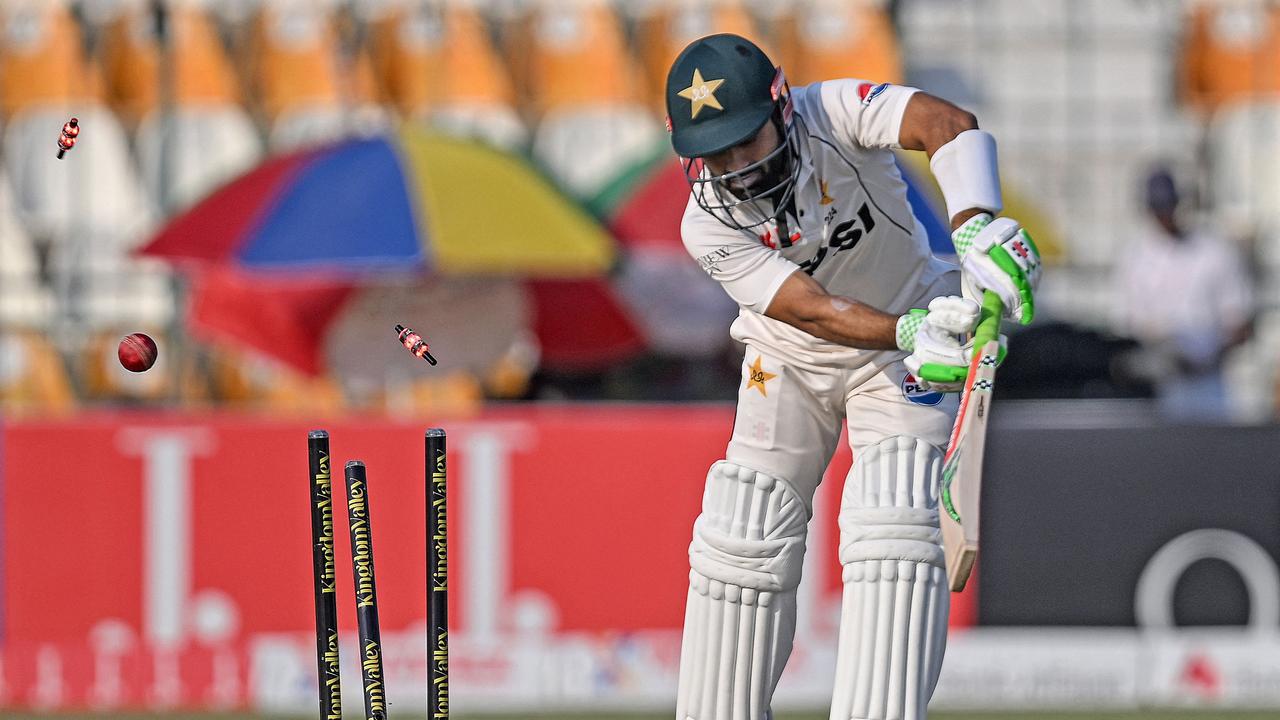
960, 494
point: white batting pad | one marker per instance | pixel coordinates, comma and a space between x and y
745, 559
893, 620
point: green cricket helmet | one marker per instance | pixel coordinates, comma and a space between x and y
721, 90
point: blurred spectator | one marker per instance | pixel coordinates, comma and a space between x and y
1187, 296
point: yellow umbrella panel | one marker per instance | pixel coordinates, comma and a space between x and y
488, 212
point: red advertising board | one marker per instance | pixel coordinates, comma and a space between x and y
154, 560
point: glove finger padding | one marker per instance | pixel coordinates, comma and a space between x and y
934, 377
948, 376
936, 345
956, 315
938, 357
940, 361
979, 273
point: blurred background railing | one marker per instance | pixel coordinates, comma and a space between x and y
1090, 100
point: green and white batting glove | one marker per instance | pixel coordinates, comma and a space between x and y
1000, 256
939, 353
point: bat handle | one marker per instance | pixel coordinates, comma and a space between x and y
989, 320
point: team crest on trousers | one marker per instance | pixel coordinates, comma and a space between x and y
757, 377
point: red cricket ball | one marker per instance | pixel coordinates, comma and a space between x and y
137, 352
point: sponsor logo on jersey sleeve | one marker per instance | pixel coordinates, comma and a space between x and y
711, 261
868, 92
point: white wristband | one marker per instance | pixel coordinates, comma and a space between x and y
968, 174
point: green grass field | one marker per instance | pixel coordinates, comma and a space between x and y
1143, 715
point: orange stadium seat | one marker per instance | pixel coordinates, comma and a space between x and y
587, 93
438, 64
246, 380
367, 111
579, 57
456, 394
33, 377
42, 59
294, 67
825, 39
664, 32
510, 376
1231, 52
196, 63
249, 381
206, 134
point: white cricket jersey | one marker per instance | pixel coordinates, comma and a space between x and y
855, 234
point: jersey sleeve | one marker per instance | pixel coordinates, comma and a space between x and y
749, 271
862, 113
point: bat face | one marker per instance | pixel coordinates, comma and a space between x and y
960, 489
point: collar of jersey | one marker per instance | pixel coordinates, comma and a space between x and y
806, 158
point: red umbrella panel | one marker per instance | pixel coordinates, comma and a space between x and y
316, 326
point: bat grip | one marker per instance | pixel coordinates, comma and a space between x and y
989, 320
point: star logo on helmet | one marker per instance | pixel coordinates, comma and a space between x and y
702, 93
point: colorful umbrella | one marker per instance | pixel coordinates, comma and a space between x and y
278, 255
416, 201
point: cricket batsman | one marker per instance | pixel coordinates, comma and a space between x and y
799, 211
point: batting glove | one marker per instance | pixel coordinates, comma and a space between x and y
1000, 256
939, 356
